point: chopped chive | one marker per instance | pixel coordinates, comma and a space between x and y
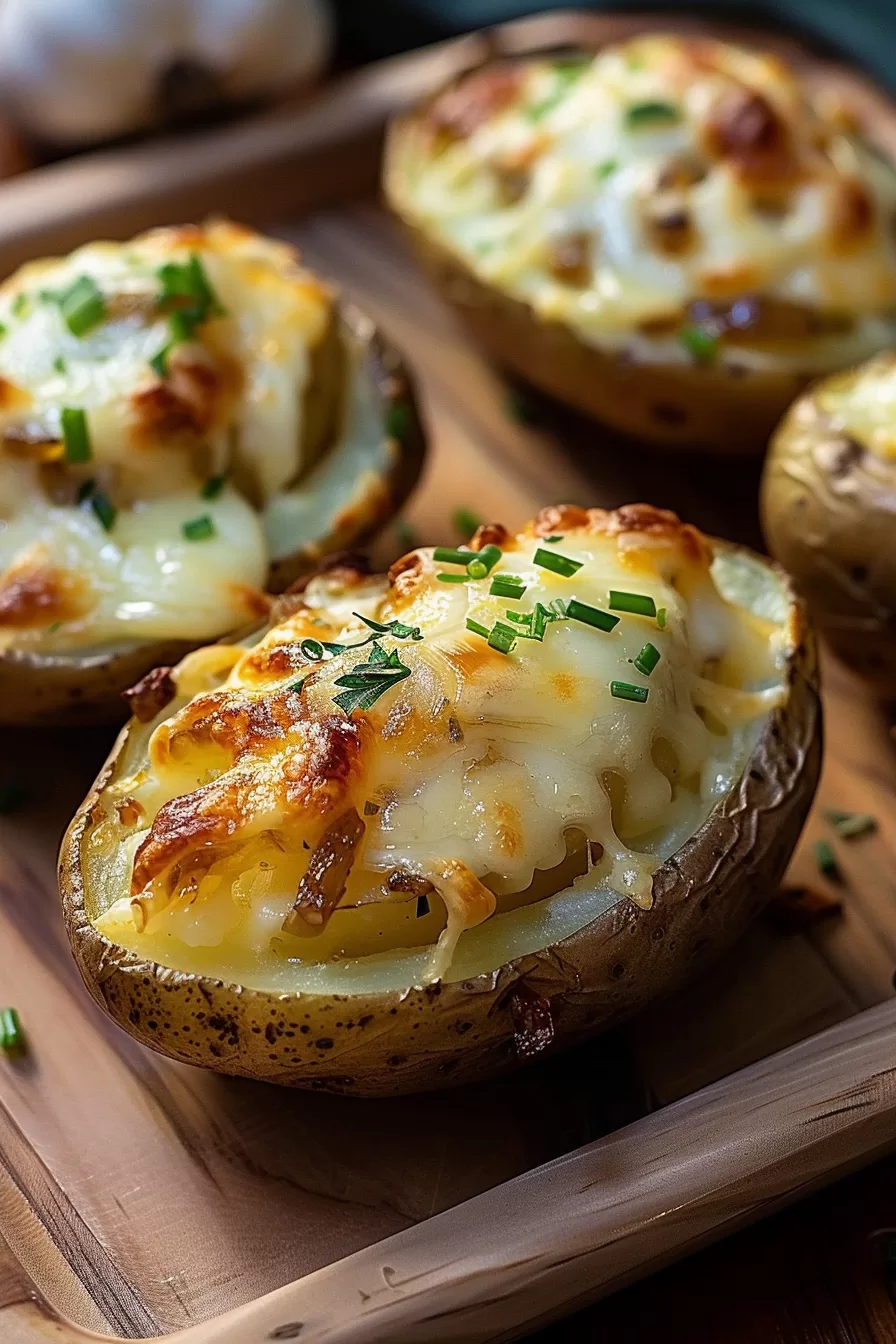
11, 797
827, 862
580, 611
543, 618
605, 169
82, 305
453, 578
651, 113
396, 628
199, 529
312, 649
501, 637
477, 628
398, 420
624, 690
12, 1037
849, 825
75, 434
557, 537
53, 627
104, 509
449, 555
20, 305
521, 618
507, 585
647, 659
212, 488
484, 562
85, 490
558, 564
182, 327
59, 364
637, 603
465, 522
422, 907
661, 618
159, 361
559, 609
188, 280
702, 344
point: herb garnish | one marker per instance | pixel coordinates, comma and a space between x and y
507, 585
593, 616
12, 1037
368, 681
452, 578
483, 562
75, 434
477, 627
396, 628
199, 529
647, 659
398, 420
465, 522
702, 344
501, 637
661, 618
188, 281
212, 488
827, 862
624, 690
104, 510
82, 305
19, 305
558, 564
849, 825
639, 604
606, 169
450, 555
651, 113
59, 365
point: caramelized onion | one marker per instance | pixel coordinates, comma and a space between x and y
323, 882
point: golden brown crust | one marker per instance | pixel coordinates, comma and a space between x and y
34, 594
151, 694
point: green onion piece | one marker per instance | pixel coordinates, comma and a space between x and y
312, 649
20, 305
465, 522
59, 365
199, 529
182, 326
188, 280
75, 434
212, 488
647, 659
11, 797
448, 555
53, 627
651, 113
600, 620
477, 628
453, 578
159, 361
543, 618
507, 585
559, 609
501, 637
484, 562
827, 862
85, 490
82, 305
605, 169
104, 509
12, 1037
557, 537
398, 420
661, 618
702, 344
637, 603
624, 690
849, 825
558, 564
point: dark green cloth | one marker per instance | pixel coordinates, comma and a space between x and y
862, 29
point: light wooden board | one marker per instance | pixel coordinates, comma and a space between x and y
141, 1197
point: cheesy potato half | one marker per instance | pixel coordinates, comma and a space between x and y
407, 778
674, 203
179, 416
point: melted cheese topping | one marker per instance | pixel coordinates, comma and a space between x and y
480, 782
667, 182
229, 402
862, 404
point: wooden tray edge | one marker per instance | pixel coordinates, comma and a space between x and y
567, 1233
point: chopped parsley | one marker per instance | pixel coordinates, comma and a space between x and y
396, 628
199, 529
368, 681
75, 435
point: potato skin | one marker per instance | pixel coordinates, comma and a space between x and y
67, 689
722, 408
828, 511
448, 1034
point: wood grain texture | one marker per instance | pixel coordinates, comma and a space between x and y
140, 1197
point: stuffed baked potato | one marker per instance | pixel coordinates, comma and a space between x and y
185, 420
829, 510
669, 236
427, 824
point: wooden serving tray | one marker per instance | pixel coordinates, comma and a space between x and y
141, 1198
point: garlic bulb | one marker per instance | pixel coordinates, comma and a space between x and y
74, 71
